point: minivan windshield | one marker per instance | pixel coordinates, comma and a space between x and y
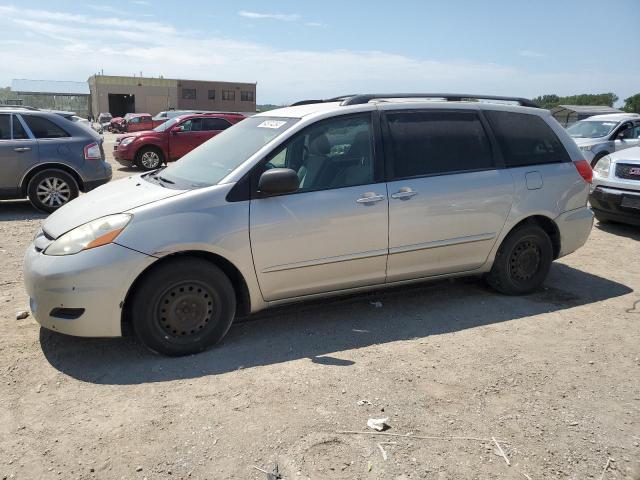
216, 158
591, 129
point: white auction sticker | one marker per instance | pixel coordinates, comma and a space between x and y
271, 124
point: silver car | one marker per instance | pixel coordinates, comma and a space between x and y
615, 194
601, 135
317, 199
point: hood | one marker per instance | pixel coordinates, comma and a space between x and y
146, 133
589, 141
628, 155
114, 197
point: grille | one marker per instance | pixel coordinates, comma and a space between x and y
624, 170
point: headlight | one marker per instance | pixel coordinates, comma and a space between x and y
586, 148
126, 141
603, 166
96, 233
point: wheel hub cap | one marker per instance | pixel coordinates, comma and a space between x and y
185, 309
525, 260
53, 192
150, 159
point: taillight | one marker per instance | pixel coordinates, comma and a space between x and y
584, 169
92, 152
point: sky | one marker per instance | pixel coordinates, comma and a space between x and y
297, 49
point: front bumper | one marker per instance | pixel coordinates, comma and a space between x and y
94, 282
123, 155
574, 227
607, 203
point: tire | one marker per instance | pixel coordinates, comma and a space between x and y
183, 307
51, 189
149, 158
522, 262
597, 158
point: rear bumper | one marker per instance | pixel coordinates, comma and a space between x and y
89, 185
574, 227
607, 204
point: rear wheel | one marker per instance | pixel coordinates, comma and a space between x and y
185, 306
51, 189
522, 262
149, 158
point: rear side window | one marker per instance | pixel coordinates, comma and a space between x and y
432, 143
215, 124
18, 130
526, 139
44, 128
5, 127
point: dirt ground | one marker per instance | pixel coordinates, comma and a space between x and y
554, 377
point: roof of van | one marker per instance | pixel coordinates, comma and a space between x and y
306, 109
615, 117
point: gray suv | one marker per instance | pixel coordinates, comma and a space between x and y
317, 199
47, 158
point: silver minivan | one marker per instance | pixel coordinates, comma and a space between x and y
317, 199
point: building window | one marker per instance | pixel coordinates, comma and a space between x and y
212, 94
189, 93
229, 95
247, 96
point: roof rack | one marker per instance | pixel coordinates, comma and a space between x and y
341, 98
449, 97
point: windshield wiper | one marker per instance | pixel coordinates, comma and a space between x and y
165, 180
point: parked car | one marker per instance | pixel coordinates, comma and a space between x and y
47, 158
137, 122
171, 140
314, 200
615, 194
102, 122
601, 135
116, 125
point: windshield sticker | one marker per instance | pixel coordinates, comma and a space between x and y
271, 124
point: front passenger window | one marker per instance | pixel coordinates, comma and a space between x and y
335, 153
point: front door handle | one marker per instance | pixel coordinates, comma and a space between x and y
22, 149
404, 193
370, 197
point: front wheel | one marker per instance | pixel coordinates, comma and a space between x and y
183, 307
149, 158
51, 189
522, 262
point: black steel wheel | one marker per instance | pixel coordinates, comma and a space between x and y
183, 306
522, 262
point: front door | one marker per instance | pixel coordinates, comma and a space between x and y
447, 200
18, 152
331, 234
186, 136
627, 136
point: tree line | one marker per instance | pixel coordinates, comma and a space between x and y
631, 104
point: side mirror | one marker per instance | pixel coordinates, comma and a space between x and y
278, 181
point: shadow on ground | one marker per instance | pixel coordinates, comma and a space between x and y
621, 229
316, 330
11, 210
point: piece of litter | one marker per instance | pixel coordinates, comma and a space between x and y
21, 314
379, 424
376, 304
502, 454
363, 402
384, 453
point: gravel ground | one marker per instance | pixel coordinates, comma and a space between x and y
553, 376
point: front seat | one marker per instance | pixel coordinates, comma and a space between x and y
362, 172
319, 148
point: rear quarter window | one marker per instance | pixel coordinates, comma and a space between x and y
526, 139
44, 128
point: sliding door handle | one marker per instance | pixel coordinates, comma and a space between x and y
370, 197
403, 194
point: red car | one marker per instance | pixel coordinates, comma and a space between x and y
138, 122
171, 140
